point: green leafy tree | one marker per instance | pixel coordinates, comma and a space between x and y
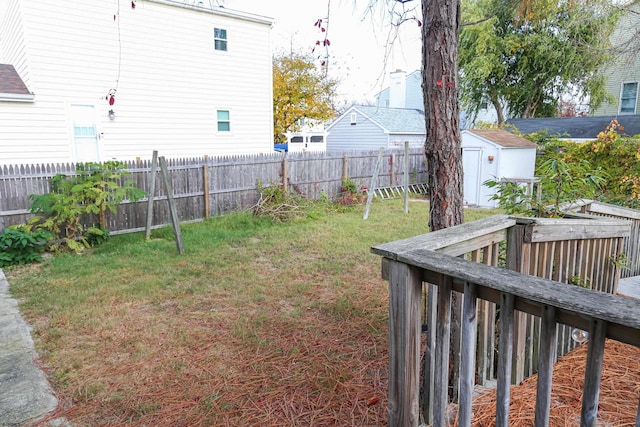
301, 90
525, 56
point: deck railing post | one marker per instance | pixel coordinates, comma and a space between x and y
443, 337
468, 353
593, 373
548, 334
405, 288
505, 354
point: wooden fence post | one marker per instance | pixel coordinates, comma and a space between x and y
205, 186
285, 172
406, 177
345, 168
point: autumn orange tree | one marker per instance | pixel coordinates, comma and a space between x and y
301, 90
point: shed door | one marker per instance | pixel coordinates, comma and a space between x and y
85, 133
471, 167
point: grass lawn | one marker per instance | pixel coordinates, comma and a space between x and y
256, 324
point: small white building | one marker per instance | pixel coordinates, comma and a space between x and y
102, 80
494, 154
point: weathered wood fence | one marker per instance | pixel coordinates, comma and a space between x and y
537, 310
631, 243
206, 187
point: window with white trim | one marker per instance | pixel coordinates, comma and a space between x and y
628, 98
224, 121
220, 39
353, 118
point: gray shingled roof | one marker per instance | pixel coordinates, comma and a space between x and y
577, 127
395, 120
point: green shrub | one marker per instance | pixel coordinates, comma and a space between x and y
21, 245
94, 189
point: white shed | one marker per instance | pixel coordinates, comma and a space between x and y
494, 154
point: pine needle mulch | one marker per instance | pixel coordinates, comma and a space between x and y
619, 391
268, 364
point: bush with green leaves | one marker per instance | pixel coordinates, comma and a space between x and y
563, 178
94, 189
19, 244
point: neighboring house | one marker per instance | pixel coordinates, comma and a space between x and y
186, 80
577, 129
369, 128
405, 91
623, 76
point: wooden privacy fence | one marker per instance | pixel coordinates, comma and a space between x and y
206, 187
537, 310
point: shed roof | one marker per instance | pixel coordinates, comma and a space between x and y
503, 138
577, 127
10, 81
395, 120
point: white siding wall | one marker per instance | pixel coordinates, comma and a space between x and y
171, 81
627, 68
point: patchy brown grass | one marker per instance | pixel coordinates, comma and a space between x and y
281, 325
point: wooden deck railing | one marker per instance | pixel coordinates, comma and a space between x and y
580, 250
631, 243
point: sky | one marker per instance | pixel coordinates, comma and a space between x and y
359, 54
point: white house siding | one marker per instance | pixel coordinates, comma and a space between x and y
171, 81
364, 135
12, 42
627, 68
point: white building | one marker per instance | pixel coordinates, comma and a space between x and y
186, 81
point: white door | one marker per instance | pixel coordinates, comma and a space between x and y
471, 167
85, 133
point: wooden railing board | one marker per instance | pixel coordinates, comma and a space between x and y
618, 316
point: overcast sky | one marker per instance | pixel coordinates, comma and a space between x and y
357, 39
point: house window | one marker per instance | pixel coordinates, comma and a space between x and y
353, 118
220, 39
224, 122
629, 98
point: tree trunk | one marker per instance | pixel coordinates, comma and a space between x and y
443, 148
498, 106
441, 19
